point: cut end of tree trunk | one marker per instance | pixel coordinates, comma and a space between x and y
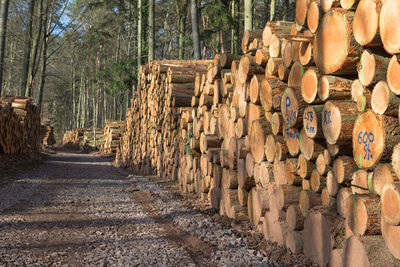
292, 137
326, 5
295, 75
331, 122
354, 253
309, 85
310, 121
368, 139
332, 42
289, 107
275, 46
390, 199
380, 97
357, 89
366, 70
391, 234
301, 11
389, 29
313, 17
257, 141
305, 50
392, 75
366, 22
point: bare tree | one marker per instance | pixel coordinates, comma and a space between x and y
248, 15
195, 29
3, 28
151, 30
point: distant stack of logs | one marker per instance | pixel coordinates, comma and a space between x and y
113, 131
19, 125
92, 139
152, 139
47, 136
74, 138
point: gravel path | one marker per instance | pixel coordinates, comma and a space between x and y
78, 210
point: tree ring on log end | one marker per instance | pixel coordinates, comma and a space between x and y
309, 85
257, 141
301, 11
366, 22
390, 201
289, 107
392, 75
313, 17
380, 97
332, 41
366, 70
389, 29
331, 122
368, 139
391, 234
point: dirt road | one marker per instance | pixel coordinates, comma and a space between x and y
78, 210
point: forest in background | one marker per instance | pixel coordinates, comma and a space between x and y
79, 58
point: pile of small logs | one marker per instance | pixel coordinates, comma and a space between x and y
19, 125
74, 138
113, 131
151, 142
300, 136
92, 139
47, 136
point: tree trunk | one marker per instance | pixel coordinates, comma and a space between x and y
27, 48
34, 51
46, 33
151, 30
3, 27
248, 16
195, 29
139, 34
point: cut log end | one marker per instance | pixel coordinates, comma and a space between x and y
388, 26
380, 97
331, 46
309, 85
392, 75
366, 71
368, 139
390, 199
313, 17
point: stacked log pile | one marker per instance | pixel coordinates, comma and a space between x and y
47, 136
92, 138
74, 138
111, 138
300, 136
19, 125
153, 135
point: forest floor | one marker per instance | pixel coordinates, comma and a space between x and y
77, 209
